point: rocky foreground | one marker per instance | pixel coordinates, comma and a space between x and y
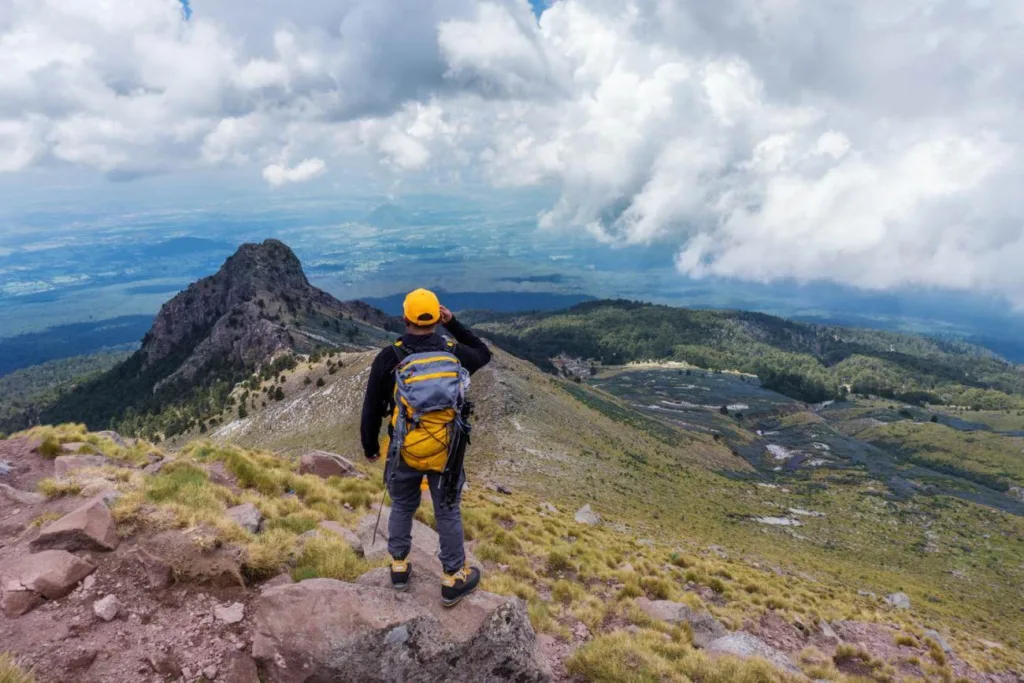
121, 562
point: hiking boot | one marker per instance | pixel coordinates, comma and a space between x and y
456, 586
401, 570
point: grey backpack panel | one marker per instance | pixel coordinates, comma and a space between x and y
431, 380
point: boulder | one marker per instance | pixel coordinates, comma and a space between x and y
248, 517
165, 664
21, 497
587, 516
372, 634
704, 627
347, 534
898, 600
107, 608
549, 508
744, 645
5, 468
158, 571
64, 465
939, 640
90, 527
425, 543
50, 574
324, 464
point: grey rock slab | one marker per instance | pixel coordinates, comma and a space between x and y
898, 600
247, 516
704, 627
587, 516
230, 614
324, 464
746, 645
51, 573
937, 637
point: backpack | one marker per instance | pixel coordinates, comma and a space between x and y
430, 392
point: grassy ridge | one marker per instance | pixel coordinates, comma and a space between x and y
807, 362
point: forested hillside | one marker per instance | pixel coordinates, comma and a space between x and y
804, 361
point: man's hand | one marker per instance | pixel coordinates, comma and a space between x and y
446, 315
373, 457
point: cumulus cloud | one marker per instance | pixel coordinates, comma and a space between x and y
871, 143
277, 174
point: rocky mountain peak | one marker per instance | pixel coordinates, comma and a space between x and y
270, 264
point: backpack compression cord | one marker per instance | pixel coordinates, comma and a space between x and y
452, 473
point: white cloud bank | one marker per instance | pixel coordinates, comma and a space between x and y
278, 175
867, 142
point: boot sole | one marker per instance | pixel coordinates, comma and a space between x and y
455, 601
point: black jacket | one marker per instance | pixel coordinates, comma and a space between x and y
380, 388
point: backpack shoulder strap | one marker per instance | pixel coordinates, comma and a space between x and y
401, 352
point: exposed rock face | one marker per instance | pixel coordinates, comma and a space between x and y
743, 644
324, 464
230, 614
705, 628
587, 516
64, 465
898, 600
247, 516
90, 527
371, 634
238, 667
50, 574
221, 317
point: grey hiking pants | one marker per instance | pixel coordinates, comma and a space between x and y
405, 500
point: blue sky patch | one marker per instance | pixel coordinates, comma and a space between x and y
538, 6
186, 9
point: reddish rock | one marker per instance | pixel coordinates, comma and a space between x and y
66, 464
370, 633
165, 664
90, 527
324, 464
50, 574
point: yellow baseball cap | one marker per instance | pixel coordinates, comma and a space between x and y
421, 307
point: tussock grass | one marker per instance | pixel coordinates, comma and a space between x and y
267, 554
10, 672
647, 657
55, 488
327, 556
45, 518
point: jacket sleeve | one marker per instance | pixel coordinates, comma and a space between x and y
471, 350
377, 401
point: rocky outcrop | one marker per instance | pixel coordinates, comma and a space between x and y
704, 627
587, 516
107, 608
158, 571
324, 465
25, 581
745, 645
372, 634
90, 527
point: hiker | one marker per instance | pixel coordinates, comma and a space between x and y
423, 362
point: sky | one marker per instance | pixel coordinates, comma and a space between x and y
866, 143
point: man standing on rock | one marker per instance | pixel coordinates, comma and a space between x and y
420, 359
